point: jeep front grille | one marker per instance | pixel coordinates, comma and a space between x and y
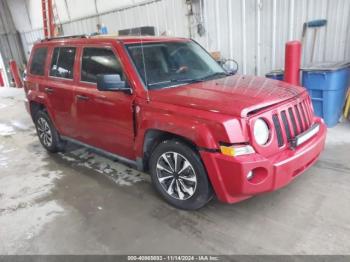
291, 121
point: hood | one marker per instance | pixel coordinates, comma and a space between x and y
234, 95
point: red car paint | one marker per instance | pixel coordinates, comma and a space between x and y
205, 113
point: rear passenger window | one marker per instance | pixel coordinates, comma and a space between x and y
38, 62
99, 61
63, 62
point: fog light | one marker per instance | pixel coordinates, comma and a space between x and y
250, 175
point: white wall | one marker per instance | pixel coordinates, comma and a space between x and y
253, 32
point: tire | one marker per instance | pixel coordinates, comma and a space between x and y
186, 186
47, 133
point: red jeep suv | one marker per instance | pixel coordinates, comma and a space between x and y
167, 107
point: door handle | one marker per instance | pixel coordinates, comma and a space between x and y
48, 90
82, 97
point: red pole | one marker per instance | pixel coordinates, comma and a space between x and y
1, 79
15, 73
292, 62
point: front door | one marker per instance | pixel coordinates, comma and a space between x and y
104, 119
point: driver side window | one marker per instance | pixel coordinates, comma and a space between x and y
97, 61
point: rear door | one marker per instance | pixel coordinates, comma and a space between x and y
59, 88
36, 74
104, 119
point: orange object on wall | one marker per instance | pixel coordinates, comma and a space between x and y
48, 18
292, 62
15, 73
45, 26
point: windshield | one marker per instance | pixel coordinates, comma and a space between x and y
168, 64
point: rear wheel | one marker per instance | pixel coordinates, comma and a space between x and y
179, 176
47, 133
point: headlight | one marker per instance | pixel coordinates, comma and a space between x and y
261, 131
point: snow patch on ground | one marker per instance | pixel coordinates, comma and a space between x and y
6, 130
24, 207
3, 159
25, 223
10, 129
117, 172
12, 93
20, 125
22, 191
6, 103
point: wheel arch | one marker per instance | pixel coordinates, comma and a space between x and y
153, 137
35, 107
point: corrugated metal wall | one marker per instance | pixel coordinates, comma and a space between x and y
166, 15
253, 32
10, 43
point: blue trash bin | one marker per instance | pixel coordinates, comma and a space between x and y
327, 84
276, 74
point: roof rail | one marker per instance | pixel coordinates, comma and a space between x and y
64, 37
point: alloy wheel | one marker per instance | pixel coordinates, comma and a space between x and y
176, 175
44, 131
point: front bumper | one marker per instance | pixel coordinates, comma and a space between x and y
228, 174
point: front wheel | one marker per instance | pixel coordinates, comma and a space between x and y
179, 176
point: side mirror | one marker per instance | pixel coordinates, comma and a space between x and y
230, 66
111, 83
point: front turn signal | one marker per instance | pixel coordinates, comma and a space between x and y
236, 150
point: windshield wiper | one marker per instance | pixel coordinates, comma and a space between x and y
188, 80
214, 75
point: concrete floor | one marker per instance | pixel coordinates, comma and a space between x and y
81, 203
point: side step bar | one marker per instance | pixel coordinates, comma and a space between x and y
132, 163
